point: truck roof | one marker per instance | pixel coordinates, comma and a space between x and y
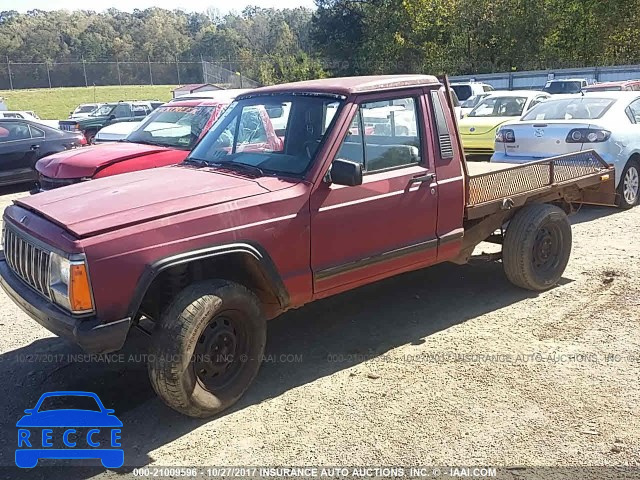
349, 85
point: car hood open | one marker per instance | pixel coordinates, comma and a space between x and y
85, 162
102, 205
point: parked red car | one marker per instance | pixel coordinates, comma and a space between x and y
165, 137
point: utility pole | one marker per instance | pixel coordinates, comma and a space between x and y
84, 70
178, 69
150, 73
204, 70
9, 70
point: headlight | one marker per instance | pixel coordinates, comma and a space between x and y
69, 284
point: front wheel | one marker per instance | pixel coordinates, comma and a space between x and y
207, 348
629, 188
537, 247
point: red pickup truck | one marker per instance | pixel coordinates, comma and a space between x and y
209, 250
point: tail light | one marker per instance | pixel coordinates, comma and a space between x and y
505, 135
588, 135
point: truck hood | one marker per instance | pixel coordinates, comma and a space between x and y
84, 162
109, 203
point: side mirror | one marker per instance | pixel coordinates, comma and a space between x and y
112, 117
29, 411
345, 172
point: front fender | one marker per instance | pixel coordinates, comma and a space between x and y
267, 266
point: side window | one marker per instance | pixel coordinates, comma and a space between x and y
139, 111
36, 132
12, 131
487, 88
633, 111
352, 147
390, 131
122, 110
383, 135
636, 87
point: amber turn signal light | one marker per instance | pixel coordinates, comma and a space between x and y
79, 289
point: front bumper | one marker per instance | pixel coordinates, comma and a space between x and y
481, 144
90, 333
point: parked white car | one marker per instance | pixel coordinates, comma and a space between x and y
83, 110
116, 131
464, 90
29, 115
607, 122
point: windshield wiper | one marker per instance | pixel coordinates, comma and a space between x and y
197, 162
238, 166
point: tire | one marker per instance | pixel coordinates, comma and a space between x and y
537, 247
629, 188
207, 348
90, 136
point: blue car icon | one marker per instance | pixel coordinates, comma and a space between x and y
80, 430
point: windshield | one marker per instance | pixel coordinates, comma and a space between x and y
176, 127
571, 108
493, 106
278, 134
472, 101
85, 109
462, 91
103, 111
563, 87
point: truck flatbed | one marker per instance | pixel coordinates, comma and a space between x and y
496, 186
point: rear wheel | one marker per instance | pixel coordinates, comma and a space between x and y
629, 188
537, 246
207, 348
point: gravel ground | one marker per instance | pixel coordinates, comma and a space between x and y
447, 366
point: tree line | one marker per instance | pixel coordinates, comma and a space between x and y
340, 37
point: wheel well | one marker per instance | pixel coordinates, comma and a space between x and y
239, 267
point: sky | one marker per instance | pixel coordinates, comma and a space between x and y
223, 6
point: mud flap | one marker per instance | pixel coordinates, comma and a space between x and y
602, 194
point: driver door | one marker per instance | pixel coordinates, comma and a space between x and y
388, 224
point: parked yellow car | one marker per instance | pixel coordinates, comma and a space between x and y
478, 128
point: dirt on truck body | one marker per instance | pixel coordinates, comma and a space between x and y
208, 251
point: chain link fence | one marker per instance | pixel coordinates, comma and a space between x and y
21, 75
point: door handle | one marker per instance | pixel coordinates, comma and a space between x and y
429, 177
35, 147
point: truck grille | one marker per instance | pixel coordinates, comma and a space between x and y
29, 262
69, 127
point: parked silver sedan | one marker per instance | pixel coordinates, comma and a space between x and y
607, 122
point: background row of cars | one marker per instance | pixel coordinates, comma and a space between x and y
567, 116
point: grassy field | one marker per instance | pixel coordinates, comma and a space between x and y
56, 103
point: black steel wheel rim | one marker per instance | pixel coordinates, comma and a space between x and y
221, 351
547, 248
